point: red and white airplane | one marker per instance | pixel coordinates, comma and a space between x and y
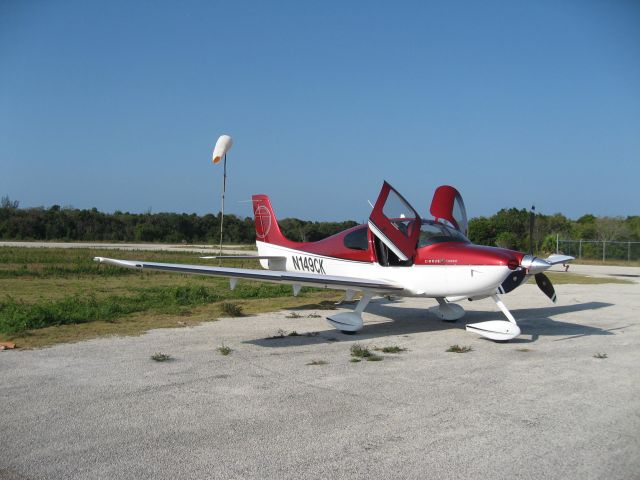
397, 253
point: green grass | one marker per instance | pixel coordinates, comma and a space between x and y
374, 358
391, 349
17, 316
224, 350
231, 309
358, 351
161, 357
50, 295
459, 349
317, 362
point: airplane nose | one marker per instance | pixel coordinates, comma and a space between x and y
534, 264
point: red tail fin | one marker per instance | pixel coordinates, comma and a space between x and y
267, 229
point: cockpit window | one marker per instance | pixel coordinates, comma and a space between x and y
399, 212
433, 232
358, 239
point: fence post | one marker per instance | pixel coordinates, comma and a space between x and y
580, 250
557, 243
629, 251
604, 250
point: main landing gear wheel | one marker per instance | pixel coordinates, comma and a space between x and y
350, 322
447, 312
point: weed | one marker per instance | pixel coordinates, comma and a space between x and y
459, 349
391, 349
280, 334
224, 350
524, 349
231, 309
600, 355
293, 334
314, 315
161, 357
317, 362
359, 351
375, 358
354, 360
293, 315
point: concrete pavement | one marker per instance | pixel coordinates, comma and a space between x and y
538, 407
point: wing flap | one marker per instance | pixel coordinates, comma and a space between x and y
294, 278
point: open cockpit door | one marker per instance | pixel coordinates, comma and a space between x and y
447, 205
395, 223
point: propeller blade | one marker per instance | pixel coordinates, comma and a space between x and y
513, 281
546, 286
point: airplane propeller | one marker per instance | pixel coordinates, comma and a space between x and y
530, 265
546, 286
513, 281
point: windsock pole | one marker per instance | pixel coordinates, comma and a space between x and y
224, 189
223, 145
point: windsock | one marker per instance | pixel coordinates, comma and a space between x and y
223, 145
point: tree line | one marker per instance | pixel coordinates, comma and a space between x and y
71, 224
509, 228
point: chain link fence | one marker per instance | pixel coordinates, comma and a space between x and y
599, 249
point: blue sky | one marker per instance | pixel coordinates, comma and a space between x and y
117, 105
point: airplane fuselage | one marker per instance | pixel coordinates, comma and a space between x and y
436, 272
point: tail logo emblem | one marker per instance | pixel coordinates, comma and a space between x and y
263, 222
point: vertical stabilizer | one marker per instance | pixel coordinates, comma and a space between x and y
267, 229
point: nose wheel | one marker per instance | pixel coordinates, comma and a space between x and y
498, 330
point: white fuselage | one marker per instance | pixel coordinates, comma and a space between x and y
418, 280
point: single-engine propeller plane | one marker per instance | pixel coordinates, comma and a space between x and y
397, 253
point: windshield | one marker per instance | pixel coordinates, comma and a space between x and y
433, 232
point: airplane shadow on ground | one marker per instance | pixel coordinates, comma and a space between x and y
404, 321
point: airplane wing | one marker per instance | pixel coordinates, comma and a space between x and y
292, 278
556, 258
